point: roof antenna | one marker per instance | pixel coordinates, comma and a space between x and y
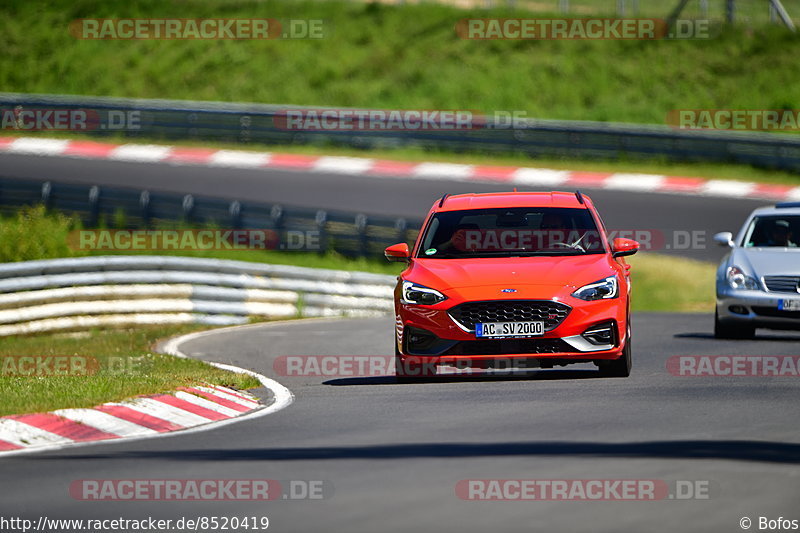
579, 196
441, 202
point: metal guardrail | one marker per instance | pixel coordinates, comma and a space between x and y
86, 292
748, 11
351, 234
245, 123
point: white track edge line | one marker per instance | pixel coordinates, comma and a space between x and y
282, 396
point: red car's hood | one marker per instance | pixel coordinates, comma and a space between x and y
511, 272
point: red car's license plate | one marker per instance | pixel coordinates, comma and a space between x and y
509, 329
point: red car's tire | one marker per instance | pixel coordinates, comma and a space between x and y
621, 367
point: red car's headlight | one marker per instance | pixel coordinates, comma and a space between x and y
414, 293
604, 289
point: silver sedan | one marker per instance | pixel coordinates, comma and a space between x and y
758, 282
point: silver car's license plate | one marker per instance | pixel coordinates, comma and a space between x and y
508, 329
789, 305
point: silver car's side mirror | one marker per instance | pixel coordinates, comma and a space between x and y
724, 239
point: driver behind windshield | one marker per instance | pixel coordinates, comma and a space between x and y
495, 232
780, 234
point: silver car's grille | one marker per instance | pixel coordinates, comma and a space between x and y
782, 283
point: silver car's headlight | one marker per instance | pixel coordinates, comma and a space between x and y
414, 293
599, 290
737, 279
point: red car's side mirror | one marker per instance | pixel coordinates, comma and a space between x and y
623, 247
397, 252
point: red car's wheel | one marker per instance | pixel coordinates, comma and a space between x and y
620, 368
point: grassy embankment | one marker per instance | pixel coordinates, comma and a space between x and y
409, 57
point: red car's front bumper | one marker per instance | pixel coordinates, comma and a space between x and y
430, 334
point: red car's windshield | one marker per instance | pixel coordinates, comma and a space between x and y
510, 232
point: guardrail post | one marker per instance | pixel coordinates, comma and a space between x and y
47, 193
401, 227
235, 212
191, 124
144, 205
244, 134
321, 220
94, 205
361, 229
188, 208
276, 219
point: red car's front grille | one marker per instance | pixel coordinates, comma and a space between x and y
470, 313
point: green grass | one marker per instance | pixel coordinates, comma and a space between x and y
145, 372
33, 233
403, 57
662, 283
408, 57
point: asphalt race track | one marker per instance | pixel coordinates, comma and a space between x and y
390, 455
674, 216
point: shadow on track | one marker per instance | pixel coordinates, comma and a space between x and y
546, 375
757, 338
734, 450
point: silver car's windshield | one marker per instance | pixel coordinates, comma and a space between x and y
773, 231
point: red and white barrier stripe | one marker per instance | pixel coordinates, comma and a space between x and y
511, 176
137, 417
